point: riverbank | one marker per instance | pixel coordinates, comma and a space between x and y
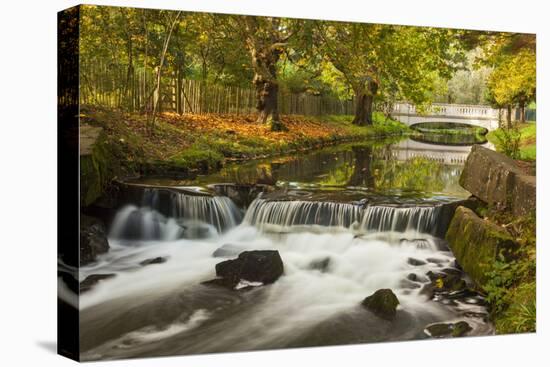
527, 140
511, 286
189, 144
496, 242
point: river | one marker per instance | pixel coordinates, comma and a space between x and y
347, 220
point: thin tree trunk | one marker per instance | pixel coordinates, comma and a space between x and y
144, 91
157, 95
508, 116
522, 111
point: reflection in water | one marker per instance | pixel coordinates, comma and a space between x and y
449, 133
346, 220
403, 168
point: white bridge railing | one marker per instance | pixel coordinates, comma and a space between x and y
450, 110
478, 115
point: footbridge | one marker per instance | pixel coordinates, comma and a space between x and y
476, 115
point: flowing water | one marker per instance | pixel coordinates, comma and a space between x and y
347, 221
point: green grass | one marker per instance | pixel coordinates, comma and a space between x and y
527, 140
381, 125
177, 143
511, 285
198, 156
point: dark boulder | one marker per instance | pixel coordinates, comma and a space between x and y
265, 266
154, 260
93, 239
382, 303
458, 329
92, 280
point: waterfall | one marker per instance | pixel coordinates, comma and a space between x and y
266, 214
168, 215
134, 223
389, 218
219, 211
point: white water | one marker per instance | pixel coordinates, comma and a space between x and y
175, 314
270, 215
192, 217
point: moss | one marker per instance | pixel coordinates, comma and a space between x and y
476, 243
96, 171
382, 303
198, 157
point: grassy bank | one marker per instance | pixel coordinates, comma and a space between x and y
527, 139
511, 288
193, 142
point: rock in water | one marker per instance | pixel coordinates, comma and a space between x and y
92, 280
415, 262
458, 329
382, 303
155, 260
265, 266
93, 239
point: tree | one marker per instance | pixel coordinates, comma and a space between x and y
266, 39
401, 61
513, 80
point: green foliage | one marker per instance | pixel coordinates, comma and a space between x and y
508, 142
518, 142
468, 85
511, 286
402, 62
514, 79
501, 278
513, 59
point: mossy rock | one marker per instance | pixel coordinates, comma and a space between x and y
476, 243
97, 164
383, 303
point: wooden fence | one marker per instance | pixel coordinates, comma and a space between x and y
117, 87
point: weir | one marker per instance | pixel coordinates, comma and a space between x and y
169, 214
265, 214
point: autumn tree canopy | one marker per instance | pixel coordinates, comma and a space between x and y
375, 65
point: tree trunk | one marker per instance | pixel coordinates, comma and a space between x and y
522, 111
267, 103
364, 104
508, 116
157, 93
